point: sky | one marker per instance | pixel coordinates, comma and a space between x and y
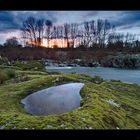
125, 21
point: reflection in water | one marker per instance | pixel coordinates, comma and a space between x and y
54, 100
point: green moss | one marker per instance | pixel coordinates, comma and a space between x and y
29, 65
6, 74
95, 112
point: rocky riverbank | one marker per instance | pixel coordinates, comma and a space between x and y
71, 63
119, 61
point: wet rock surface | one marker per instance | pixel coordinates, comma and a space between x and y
54, 100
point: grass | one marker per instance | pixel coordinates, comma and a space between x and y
6, 74
29, 65
95, 112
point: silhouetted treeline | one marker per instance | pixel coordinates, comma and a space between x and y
100, 33
90, 40
36, 53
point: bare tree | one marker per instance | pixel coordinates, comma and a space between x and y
54, 36
49, 26
90, 33
93, 32
100, 25
24, 37
59, 35
111, 35
106, 31
129, 39
30, 29
66, 33
40, 29
73, 32
87, 33
96, 32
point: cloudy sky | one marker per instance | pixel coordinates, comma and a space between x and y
125, 21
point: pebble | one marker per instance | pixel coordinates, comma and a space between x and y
2, 127
110, 101
117, 128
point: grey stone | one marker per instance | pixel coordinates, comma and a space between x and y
2, 127
112, 102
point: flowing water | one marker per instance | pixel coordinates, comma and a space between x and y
125, 75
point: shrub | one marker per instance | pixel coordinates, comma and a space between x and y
4, 61
6, 74
112, 80
3, 76
97, 79
29, 65
122, 61
10, 73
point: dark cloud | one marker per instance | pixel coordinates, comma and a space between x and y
126, 18
7, 21
90, 14
13, 19
36, 14
123, 20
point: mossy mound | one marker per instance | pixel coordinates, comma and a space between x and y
96, 112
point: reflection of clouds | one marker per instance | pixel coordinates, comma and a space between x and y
54, 100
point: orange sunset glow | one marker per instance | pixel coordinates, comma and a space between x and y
60, 43
57, 43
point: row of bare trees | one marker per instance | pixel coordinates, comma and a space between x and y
85, 34
33, 30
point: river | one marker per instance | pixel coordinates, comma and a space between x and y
125, 75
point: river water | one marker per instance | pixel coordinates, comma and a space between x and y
125, 75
